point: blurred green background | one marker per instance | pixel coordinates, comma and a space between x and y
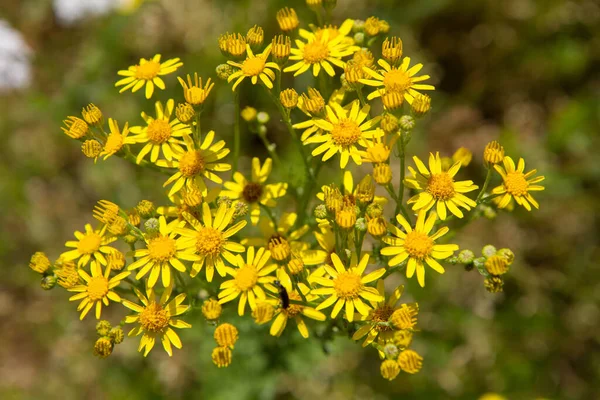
522, 71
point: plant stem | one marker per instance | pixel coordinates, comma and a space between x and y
236, 132
400, 145
485, 185
361, 97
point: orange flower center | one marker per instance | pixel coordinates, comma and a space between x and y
516, 184
147, 70
97, 288
246, 278
441, 186
315, 52
90, 243
209, 242
346, 132
154, 318
253, 66
418, 245
382, 314
347, 285
293, 309
397, 80
159, 131
191, 163
162, 248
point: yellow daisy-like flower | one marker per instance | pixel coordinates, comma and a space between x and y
381, 312
296, 311
322, 49
254, 67
157, 319
400, 79
162, 252
195, 163
96, 289
148, 73
347, 286
161, 133
516, 184
92, 243
208, 242
116, 139
439, 188
417, 246
254, 192
351, 193
343, 132
249, 278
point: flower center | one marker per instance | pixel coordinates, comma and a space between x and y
382, 314
418, 245
253, 66
347, 285
315, 52
113, 143
441, 186
191, 163
154, 318
161, 249
209, 242
97, 288
345, 133
252, 192
293, 309
516, 184
246, 278
159, 131
147, 70
280, 248
89, 244
397, 80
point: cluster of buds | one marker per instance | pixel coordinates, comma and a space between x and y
108, 337
225, 335
493, 265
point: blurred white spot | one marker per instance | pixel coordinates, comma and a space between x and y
15, 68
70, 11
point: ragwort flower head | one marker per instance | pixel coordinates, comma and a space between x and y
91, 244
516, 184
160, 133
208, 242
295, 311
254, 67
157, 319
438, 188
116, 139
148, 73
346, 286
193, 91
417, 246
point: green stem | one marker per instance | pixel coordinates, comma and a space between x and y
236, 132
270, 214
400, 145
485, 185
361, 97
269, 147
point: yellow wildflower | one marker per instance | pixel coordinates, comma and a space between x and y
116, 139
91, 244
254, 67
193, 91
148, 73
296, 311
516, 184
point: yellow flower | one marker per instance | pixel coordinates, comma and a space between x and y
157, 319
322, 256
208, 242
249, 278
343, 131
254, 191
410, 361
347, 286
417, 246
390, 369
516, 184
96, 289
254, 67
193, 91
438, 188
160, 133
381, 313
90, 244
295, 311
195, 163
76, 128
322, 49
162, 252
287, 19
226, 335
148, 73
396, 79
116, 139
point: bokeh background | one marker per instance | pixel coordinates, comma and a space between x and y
522, 71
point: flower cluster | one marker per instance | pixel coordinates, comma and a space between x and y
318, 250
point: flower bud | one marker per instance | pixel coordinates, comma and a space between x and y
406, 122
488, 250
185, 112
103, 347
103, 327
39, 262
48, 282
